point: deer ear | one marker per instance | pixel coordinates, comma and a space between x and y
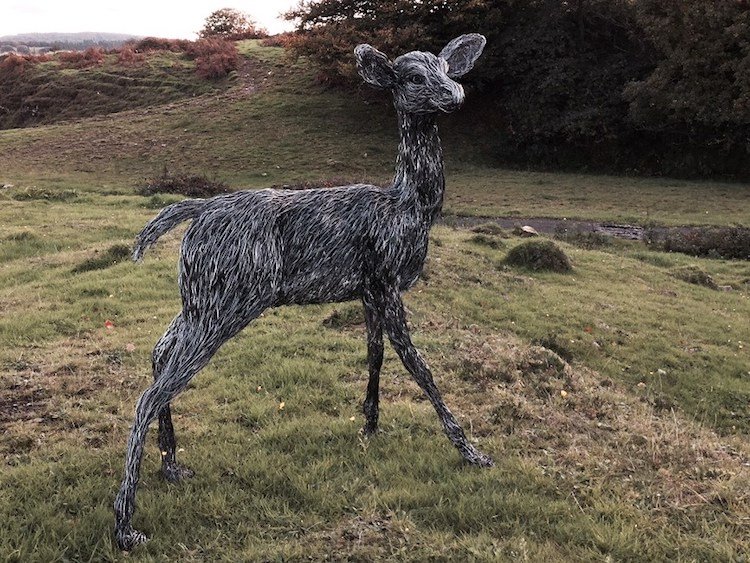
374, 67
462, 53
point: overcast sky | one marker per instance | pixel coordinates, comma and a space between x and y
161, 18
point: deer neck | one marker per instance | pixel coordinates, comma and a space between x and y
419, 165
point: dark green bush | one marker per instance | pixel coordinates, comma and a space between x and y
539, 255
732, 243
617, 85
191, 185
489, 241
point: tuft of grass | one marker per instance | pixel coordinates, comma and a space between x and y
695, 275
113, 255
490, 241
539, 255
658, 259
34, 193
555, 343
158, 201
23, 244
345, 316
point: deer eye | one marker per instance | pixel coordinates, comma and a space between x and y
416, 79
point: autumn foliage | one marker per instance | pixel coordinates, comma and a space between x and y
81, 59
13, 66
128, 56
214, 57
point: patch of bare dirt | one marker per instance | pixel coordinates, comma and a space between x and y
19, 402
50, 395
359, 537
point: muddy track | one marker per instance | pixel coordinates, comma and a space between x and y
553, 226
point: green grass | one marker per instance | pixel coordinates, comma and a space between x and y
635, 448
483, 191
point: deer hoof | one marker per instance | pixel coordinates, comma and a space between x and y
475, 457
129, 538
483, 460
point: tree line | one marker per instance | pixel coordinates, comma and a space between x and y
647, 86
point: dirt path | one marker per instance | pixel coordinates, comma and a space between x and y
550, 226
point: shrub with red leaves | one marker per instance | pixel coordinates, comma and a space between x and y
13, 65
82, 59
128, 56
214, 58
278, 40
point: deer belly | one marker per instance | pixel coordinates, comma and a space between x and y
326, 283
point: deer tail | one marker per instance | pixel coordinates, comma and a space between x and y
165, 221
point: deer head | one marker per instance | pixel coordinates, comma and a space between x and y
422, 83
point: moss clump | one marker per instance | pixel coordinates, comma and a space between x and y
539, 255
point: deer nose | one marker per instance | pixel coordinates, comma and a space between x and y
453, 96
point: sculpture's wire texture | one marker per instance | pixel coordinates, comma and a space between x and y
250, 250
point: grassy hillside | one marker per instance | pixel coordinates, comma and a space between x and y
615, 398
277, 126
52, 91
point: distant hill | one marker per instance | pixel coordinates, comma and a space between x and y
68, 40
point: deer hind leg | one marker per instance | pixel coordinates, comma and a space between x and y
171, 470
374, 321
192, 346
394, 320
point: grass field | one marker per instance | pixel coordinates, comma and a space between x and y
615, 399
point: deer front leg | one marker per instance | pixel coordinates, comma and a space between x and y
394, 320
374, 321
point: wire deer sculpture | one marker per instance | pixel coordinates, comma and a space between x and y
247, 251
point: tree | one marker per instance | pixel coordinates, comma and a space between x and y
658, 86
231, 24
328, 30
699, 90
550, 79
